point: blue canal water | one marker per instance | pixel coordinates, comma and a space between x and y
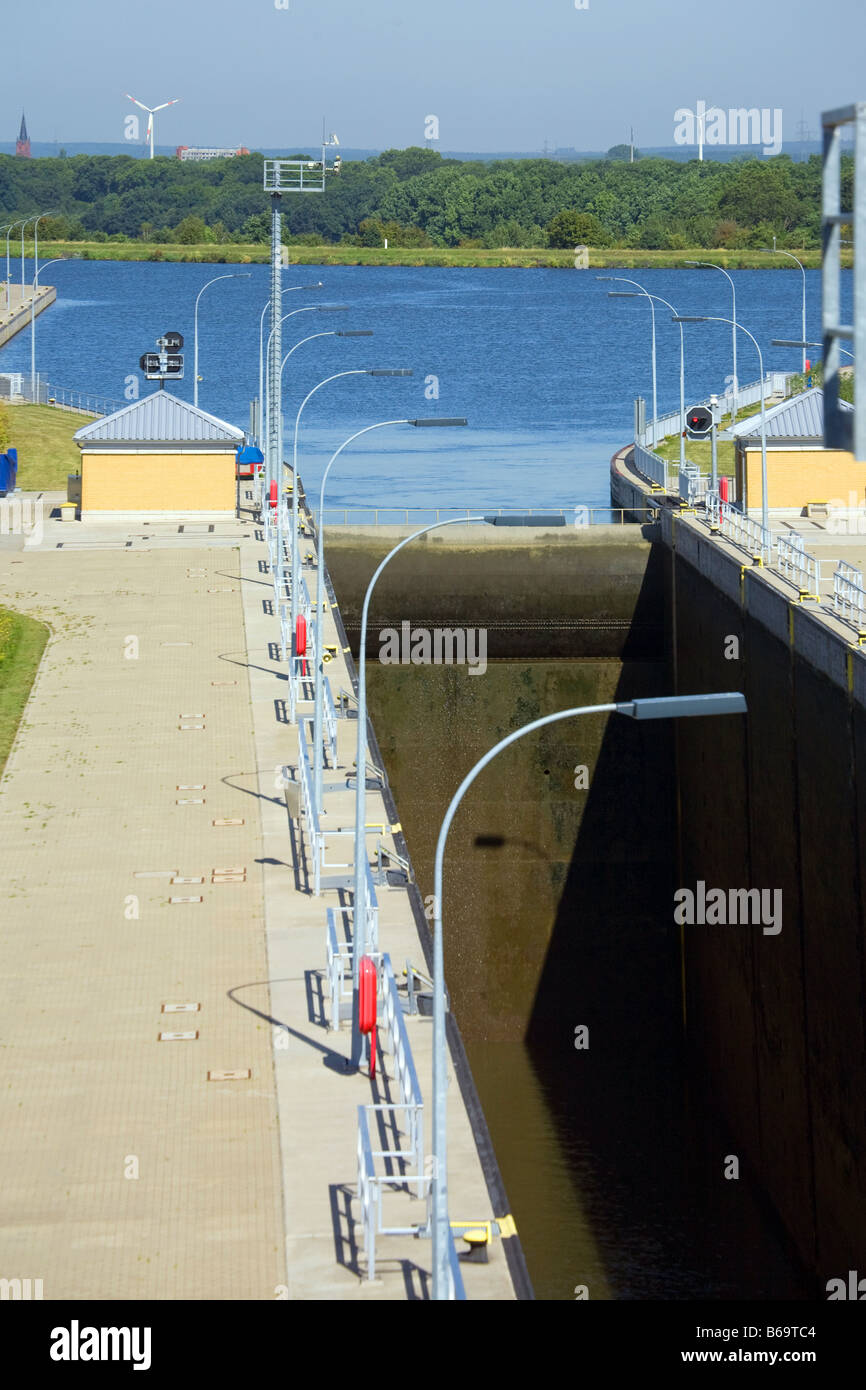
543, 365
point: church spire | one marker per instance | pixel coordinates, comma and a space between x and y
22, 146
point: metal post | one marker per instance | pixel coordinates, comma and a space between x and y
674, 707
834, 432
360, 892
859, 274
275, 443
714, 474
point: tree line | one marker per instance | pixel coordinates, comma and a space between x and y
415, 197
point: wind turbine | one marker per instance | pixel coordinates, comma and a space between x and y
150, 114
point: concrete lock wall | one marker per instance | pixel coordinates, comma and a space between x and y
777, 1019
550, 888
547, 882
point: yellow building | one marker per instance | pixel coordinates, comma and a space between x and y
800, 471
158, 459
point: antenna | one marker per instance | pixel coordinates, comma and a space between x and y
151, 110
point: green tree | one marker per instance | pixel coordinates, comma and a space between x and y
190, 231
571, 228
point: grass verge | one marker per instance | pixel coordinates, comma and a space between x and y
22, 642
42, 434
213, 253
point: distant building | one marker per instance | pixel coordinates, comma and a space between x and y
187, 152
22, 144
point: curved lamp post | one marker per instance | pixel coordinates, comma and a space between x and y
274, 466
775, 250
360, 890
672, 707
630, 294
44, 266
330, 333
711, 265
623, 280
9, 229
290, 290
702, 318
234, 275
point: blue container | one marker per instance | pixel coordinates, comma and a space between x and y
8, 471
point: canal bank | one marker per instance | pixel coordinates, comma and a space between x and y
17, 314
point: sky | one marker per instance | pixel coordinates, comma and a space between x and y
496, 74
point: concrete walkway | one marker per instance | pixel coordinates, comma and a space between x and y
124, 1171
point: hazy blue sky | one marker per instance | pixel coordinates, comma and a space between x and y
499, 74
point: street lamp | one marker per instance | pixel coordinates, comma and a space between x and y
711, 265
291, 289
274, 466
9, 230
801, 343
44, 266
630, 294
360, 892
775, 250
319, 692
702, 318
235, 275
625, 281
671, 707
331, 333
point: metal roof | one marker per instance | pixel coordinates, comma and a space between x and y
802, 417
159, 419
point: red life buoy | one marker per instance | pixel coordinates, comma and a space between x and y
367, 990
723, 489
273, 496
301, 635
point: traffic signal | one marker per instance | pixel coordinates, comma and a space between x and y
699, 421
170, 342
173, 364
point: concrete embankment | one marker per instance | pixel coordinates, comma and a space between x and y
17, 314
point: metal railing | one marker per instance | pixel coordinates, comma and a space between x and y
775, 384
692, 484
17, 384
800, 569
339, 968
652, 466
410, 1104
849, 596
317, 836
749, 535
329, 722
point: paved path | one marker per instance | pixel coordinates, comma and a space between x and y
245, 1188
89, 953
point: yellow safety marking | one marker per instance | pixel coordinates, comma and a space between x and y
395, 827
506, 1226
347, 649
